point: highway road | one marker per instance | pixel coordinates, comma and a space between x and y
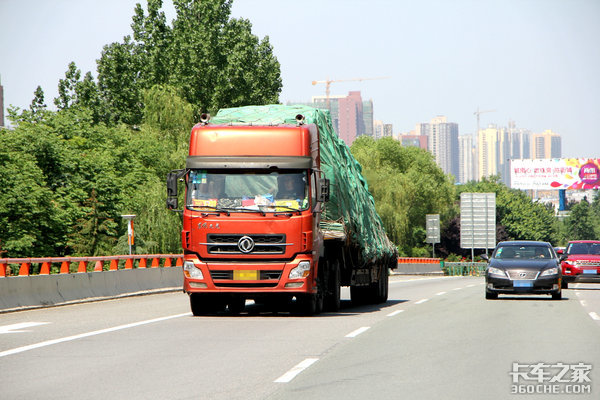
436, 338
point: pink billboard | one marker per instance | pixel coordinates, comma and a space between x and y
555, 173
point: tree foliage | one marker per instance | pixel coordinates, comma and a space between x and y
406, 184
214, 61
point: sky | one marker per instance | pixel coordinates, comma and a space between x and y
534, 62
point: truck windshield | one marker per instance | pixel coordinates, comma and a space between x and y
264, 191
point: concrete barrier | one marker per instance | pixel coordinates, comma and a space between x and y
408, 266
23, 292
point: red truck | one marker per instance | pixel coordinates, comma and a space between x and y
581, 262
257, 223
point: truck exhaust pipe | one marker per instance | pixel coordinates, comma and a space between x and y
204, 118
300, 119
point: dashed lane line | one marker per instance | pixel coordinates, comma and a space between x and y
358, 331
393, 314
422, 301
291, 374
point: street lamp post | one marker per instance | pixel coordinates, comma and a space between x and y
130, 236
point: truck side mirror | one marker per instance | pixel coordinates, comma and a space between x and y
172, 181
324, 191
485, 257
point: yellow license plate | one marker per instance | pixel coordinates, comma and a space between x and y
245, 275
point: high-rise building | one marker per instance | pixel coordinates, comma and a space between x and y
466, 152
487, 151
368, 117
546, 145
442, 142
413, 140
348, 115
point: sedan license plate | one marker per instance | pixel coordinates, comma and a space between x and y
245, 275
590, 271
523, 284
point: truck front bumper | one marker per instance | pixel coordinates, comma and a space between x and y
292, 277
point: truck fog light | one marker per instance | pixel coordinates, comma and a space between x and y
301, 271
190, 270
294, 284
198, 285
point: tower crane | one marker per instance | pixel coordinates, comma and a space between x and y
477, 113
328, 83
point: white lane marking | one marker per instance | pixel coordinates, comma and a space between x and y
583, 302
578, 293
457, 288
393, 314
470, 285
14, 328
595, 316
87, 334
358, 331
423, 279
440, 293
291, 374
421, 301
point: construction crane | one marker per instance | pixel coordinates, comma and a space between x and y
328, 83
477, 113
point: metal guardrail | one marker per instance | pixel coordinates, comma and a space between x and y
86, 264
464, 268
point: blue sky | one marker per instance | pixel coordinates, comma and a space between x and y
535, 62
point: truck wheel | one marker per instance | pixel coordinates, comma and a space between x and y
332, 297
557, 295
306, 304
204, 305
564, 284
382, 285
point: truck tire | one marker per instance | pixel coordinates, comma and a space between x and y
332, 296
204, 304
306, 304
383, 285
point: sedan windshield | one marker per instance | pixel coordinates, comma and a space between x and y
264, 191
527, 252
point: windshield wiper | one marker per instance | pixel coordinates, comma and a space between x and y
201, 208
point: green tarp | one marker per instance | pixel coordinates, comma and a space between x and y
350, 201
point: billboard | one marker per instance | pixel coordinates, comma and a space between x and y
555, 173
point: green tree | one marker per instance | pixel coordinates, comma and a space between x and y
406, 184
580, 222
214, 61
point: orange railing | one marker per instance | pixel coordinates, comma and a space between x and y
87, 264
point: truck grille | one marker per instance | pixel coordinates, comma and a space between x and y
525, 275
228, 275
228, 244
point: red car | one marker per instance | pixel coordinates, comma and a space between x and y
580, 262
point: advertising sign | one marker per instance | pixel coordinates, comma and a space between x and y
555, 173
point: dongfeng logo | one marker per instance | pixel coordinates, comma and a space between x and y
522, 275
245, 244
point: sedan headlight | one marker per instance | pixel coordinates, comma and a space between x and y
301, 271
551, 271
191, 271
496, 271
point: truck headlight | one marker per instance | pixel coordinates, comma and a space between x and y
496, 271
551, 271
301, 271
191, 271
